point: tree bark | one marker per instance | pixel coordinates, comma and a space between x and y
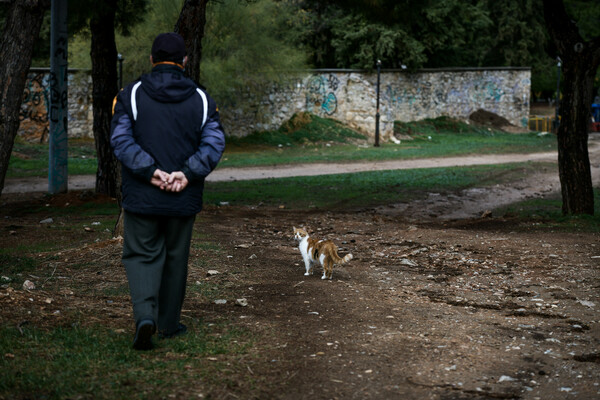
21, 30
190, 26
105, 88
580, 61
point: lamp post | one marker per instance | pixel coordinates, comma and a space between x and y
556, 120
120, 59
377, 115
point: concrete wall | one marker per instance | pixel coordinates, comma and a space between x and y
350, 97
345, 95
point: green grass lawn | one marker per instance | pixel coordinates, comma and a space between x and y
308, 139
312, 140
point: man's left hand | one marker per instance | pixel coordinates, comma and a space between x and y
177, 181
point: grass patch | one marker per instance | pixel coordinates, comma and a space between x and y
307, 138
14, 262
211, 291
100, 363
302, 128
31, 159
201, 241
440, 137
45, 245
546, 213
358, 189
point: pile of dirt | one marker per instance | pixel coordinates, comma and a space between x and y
491, 120
296, 122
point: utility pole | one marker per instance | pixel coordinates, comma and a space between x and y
58, 116
377, 115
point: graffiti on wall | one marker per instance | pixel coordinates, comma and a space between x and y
320, 94
34, 108
458, 96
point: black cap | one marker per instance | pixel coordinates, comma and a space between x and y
168, 47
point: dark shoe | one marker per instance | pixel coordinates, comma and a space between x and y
143, 335
181, 330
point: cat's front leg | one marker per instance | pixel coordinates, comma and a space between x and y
308, 266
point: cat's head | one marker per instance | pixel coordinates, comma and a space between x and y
299, 233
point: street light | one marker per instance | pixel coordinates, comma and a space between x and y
377, 115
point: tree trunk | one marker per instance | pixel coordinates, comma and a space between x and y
580, 61
190, 25
21, 30
105, 88
573, 157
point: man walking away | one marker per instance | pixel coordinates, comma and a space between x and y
168, 137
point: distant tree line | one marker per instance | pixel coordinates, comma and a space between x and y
440, 33
341, 34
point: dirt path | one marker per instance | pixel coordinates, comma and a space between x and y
469, 203
87, 182
476, 309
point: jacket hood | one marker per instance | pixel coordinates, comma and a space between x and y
167, 84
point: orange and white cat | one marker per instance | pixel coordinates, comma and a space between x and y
325, 251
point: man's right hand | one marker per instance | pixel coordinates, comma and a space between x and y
160, 179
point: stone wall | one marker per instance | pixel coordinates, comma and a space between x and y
346, 95
36, 102
351, 96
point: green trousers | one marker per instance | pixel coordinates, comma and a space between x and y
155, 255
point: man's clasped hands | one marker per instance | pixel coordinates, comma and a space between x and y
173, 182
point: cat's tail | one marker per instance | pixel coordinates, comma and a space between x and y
343, 260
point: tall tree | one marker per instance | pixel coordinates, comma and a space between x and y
21, 29
580, 62
105, 88
103, 17
190, 25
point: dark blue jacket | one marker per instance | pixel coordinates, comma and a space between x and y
163, 120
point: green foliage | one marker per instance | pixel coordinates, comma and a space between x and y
161, 16
439, 33
358, 43
417, 34
587, 15
257, 48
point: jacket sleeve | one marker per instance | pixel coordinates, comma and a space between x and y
127, 151
210, 150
